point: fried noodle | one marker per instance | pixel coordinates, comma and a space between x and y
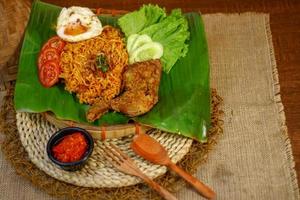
79, 70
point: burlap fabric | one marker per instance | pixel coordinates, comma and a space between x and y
253, 158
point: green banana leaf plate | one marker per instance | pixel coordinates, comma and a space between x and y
184, 95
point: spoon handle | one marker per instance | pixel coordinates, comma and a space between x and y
162, 191
198, 185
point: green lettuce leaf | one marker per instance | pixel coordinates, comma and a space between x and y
171, 31
136, 21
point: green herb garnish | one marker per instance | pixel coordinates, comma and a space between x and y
102, 63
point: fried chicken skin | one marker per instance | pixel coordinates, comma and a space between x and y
99, 108
141, 84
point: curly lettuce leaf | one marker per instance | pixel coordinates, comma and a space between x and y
170, 31
136, 21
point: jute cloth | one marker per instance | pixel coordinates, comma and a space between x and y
253, 158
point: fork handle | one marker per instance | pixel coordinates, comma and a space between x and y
162, 191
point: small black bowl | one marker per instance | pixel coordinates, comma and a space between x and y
58, 136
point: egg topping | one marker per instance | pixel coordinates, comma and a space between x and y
76, 24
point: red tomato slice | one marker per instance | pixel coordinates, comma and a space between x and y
55, 42
49, 73
48, 54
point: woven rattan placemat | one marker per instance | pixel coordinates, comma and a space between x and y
14, 148
35, 131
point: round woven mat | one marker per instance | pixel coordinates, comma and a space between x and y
35, 132
16, 154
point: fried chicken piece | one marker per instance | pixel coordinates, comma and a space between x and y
99, 108
141, 84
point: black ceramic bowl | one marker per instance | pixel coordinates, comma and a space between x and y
58, 136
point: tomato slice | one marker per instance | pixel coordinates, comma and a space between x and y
48, 54
49, 73
56, 43
48, 61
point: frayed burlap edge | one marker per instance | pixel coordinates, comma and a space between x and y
280, 109
15, 153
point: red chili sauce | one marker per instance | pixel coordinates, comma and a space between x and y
71, 148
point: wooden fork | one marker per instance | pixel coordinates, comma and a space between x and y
126, 165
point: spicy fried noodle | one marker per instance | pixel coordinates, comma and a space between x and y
80, 71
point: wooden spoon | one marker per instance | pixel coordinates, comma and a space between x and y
151, 150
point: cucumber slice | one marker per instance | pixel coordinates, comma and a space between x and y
130, 41
140, 41
151, 50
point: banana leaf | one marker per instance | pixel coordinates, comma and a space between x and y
184, 94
